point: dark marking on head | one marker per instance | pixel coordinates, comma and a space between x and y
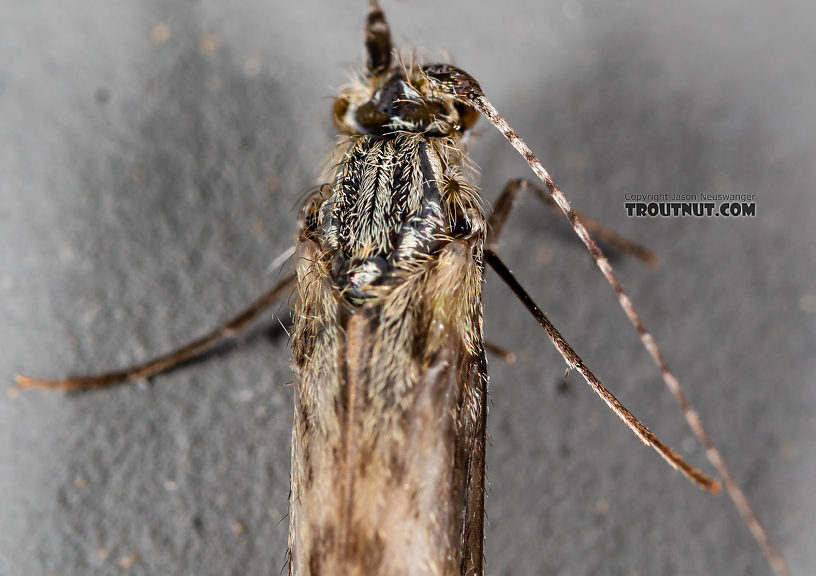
397, 105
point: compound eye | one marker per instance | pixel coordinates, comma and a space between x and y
467, 116
462, 227
339, 110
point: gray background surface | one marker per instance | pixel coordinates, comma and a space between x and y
145, 188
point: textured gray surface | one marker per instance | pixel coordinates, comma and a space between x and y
147, 186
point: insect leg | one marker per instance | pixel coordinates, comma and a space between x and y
507, 199
167, 361
574, 362
463, 87
503, 353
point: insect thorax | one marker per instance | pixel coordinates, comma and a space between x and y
394, 202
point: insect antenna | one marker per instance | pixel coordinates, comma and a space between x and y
167, 361
576, 363
377, 39
463, 87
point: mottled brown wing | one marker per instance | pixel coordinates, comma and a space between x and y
475, 378
389, 434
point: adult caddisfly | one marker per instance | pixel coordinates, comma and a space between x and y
391, 388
